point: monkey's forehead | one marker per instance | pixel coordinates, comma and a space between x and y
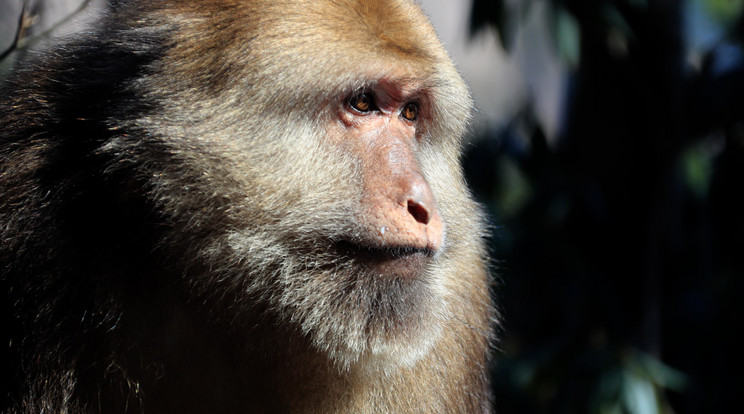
396, 27
347, 41
307, 49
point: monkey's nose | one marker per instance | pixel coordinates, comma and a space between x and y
418, 210
425, 230
418, 199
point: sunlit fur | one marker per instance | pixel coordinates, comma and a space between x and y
171, 205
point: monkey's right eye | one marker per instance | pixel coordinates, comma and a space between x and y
364, 102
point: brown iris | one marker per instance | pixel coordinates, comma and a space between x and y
364, 102
410, 111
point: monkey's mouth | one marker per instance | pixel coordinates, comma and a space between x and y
388, 261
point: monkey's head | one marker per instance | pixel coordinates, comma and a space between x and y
308, 166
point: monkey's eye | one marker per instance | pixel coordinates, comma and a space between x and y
410, 111
364, 102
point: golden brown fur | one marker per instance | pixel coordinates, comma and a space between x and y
175, 189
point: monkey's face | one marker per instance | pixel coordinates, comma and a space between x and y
399, 227
348, 242
317, 170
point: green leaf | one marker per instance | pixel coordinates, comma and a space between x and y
568, 36
724, 11
638, 394
697, 168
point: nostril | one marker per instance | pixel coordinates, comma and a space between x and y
418, 211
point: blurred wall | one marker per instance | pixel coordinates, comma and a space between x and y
503, 82
494, 77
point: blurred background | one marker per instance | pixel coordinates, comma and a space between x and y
608, 150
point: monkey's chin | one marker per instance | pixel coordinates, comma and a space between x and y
398, 261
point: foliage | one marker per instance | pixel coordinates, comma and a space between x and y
618, 239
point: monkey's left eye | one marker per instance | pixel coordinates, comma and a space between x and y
410, 111
364, 102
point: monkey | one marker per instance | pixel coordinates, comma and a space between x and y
242, 206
